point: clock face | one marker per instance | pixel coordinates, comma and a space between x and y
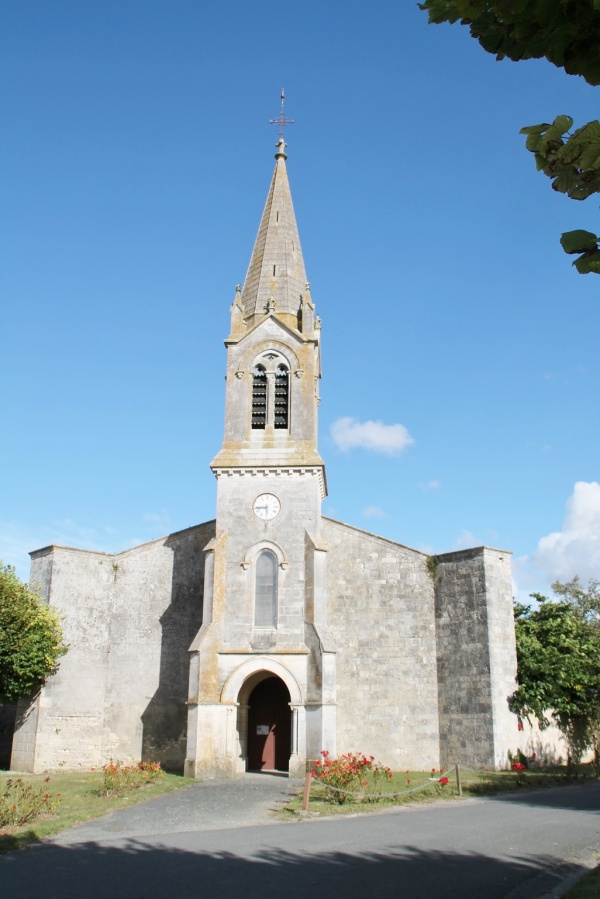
266, 506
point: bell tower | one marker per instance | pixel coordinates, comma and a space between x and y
265, 592
273, 350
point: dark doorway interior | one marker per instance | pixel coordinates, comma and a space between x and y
269, 727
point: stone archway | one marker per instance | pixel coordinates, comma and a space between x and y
237, 692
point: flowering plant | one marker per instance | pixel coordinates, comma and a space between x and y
21, 802
443, 781
518, 766
118, 778
344, 775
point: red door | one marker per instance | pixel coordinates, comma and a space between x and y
269, 727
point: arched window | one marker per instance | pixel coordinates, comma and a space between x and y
265, 596
281, 397
259, 397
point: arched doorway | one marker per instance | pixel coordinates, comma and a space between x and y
269, 726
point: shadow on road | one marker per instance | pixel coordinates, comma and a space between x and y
142, 871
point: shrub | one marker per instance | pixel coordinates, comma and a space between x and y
119, 778
21, 802
31, 640
344, 775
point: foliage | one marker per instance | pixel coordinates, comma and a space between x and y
21, 802
345, 774
566, 33
558, 656
585, 601
432, 563
119, 778
30, 638
573, 164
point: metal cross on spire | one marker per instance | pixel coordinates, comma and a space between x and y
281, 119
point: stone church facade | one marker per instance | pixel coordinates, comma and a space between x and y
258, 639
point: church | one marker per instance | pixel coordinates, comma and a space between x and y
258, 639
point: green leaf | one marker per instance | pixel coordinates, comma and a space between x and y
578, 241
560, 125
533, 142
535, 129
590, 156
588, 264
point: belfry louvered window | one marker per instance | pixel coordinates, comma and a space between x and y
281, 397
259, 397
265, 597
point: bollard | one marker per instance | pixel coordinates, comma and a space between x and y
306, 796
458, 783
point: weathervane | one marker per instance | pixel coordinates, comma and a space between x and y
281, 119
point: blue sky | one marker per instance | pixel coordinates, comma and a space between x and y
460, 348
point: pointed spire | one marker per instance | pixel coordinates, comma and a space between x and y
237, 316
276, 275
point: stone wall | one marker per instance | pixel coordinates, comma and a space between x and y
548, 746
121, 690
476, 657
381, 615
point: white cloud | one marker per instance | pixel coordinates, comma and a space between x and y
373, 512
375, 436
576, 548
430, 485
561, 555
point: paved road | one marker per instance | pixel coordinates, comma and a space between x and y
199, 843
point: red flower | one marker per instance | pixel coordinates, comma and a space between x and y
534, 756
443, 781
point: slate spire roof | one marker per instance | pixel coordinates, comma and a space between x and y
276, 277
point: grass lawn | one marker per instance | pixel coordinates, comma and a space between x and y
587, 888
421, 787
80, 801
